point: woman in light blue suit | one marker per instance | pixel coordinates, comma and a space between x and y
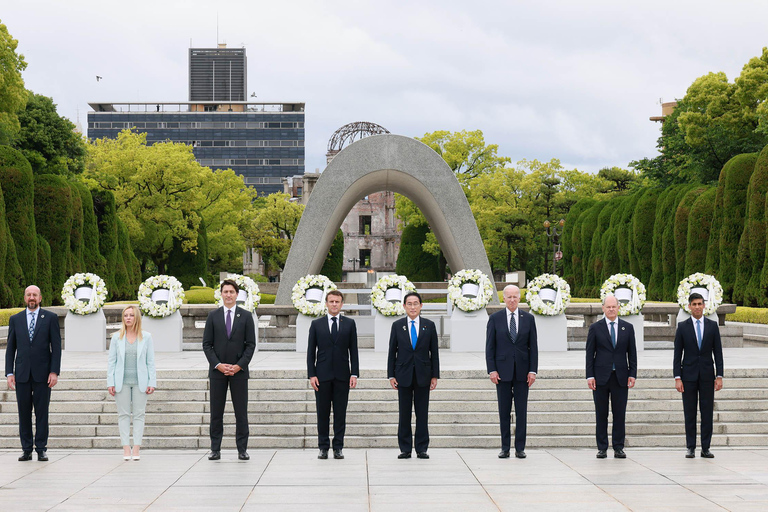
131, 377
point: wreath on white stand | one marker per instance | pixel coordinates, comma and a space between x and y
84, 293
311, 306
632, 305
387, 302
548, 295
157, 305
462, 298
707, 286
248, 298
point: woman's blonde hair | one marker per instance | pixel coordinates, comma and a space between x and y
136, 323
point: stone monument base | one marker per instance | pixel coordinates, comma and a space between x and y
382, 328
552, 333
637, 323
167, 332
468, 330
85, 333
302, 332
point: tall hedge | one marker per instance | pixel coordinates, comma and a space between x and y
681, 229
412, 261
624, 232
53, 218
5, 291
44, 270
132, 264
642, 232
738, 171
588, 224
655, 284
14, 277
668, 257
332, 267
93, 261
572, 247
596, 252
106, 215
76, 233
609, 242
187, 266
699, 226
751, 253
713, 257
17, 184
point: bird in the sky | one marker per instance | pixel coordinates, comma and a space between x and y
98, 78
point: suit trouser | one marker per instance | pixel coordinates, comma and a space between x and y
334, 392
505, 392
238, 389
409, 398
131, 400
703, 392
29, 395
617, 395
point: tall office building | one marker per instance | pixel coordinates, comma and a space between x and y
218, 74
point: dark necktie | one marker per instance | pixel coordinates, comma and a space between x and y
229, 323
414, 336
613, 335
32, 329
512, 328
334, 329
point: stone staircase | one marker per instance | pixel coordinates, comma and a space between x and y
463, 411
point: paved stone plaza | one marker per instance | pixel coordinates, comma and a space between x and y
373, 479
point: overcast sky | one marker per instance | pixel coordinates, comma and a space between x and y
574, 80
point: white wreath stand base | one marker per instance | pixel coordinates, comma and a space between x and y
382, 328
468, 330
682, 316
85, 333
302, 331
167, 332
637, 323
552, 333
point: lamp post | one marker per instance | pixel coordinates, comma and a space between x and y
553, 233
354, 261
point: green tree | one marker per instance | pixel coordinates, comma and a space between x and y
189, 267
53, 218
44, 270
668, 256
642, 228
75, 261
17, 185
588, 226
620, 179
751, 256
682, 215
12, 93
655, 284
465, 152
412, 261
573, 249
106, 215
596, 250
334, 262
699, 224
272, 229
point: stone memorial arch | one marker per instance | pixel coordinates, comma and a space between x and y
384, 162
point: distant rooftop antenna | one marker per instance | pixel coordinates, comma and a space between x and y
217, 28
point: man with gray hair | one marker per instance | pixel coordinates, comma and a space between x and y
611, 371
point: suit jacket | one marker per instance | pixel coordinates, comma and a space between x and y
601, 356
328, 359
403, 358
689, 362
145, 362
237, 349
40, 357
511, 359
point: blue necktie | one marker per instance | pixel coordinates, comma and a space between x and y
414, 336
32, 329
229, 323
512, 328
698, 332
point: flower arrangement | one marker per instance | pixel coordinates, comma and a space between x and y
379, 294
714, 296
247, 285
468, 303
538, 304
162, 282
299, 294
84, 306
635, 304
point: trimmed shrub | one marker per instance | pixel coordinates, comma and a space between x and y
44, 270
699, 226
642, 233
588, 226
188, 267
713, 257
106, 216
624, 232
655, 284
5, 290
751, 254
198, 295
572, 247
596, 251
76, 233
668, 257
332, 267
53, 219
609, 242
17, 183
93, 261
748, 315
131, 262
14, 277
412, 261
681, 230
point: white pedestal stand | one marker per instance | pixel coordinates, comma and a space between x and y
382, 328
637, 323
85, 333
167, 332
552, 333
468, 330
302, 332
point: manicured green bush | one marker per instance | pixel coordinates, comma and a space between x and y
699, 225
655, 284
6, 314
412, 261
44, 270
93, 261
748, 315
17, 184
572, 246
14, 277
76, 233
588, 226
642, 232
131, 262
609, 243
668, 257
198, 295
681, 229
106, 216
713, 257
188, 266
624, 232
53, 219
596, 250
332, 267
751, 252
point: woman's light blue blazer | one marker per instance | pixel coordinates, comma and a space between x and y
145, 362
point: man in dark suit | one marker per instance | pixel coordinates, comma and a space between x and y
34, 344
512, 360
697, 376
331, 348
611, 371
413, 367
229, 341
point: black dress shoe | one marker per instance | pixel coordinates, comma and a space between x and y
25, 456
601, 454
243, 456
404, 455
520, 455
690, 454
707, 454
337, 454
504, 454
41, 456
323, 454
215, 455
618, 453
422, 455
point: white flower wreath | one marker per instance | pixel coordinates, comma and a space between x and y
247, 285
467, 303
714, 295
545, 307
84, 306
635, 304
175, 296
298, 294
379, 292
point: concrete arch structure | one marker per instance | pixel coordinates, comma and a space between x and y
384, 162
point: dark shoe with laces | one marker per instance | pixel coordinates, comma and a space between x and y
404, 455
690, 454
25, 456
243, 455
707, 454
601, 454
504, 454
618, 453
323, 454
215, 455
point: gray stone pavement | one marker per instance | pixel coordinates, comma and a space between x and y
375, 480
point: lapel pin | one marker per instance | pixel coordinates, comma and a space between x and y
404, 328
238, 315
42, 316
622, 328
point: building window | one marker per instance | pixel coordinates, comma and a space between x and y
365, 258
365, 225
